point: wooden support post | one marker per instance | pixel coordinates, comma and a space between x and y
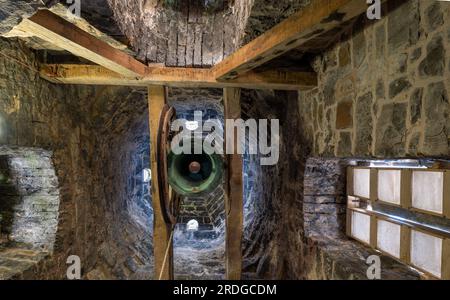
405, 244
445, 273
405, 189
373, 232
373, 185
350, 189
233, 192
161, 230
446, 196
348, 228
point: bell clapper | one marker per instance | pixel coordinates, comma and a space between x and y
195, 167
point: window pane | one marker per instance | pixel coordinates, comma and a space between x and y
361, 182
388, 237
389, 186
427, 191
361, 227
426, 252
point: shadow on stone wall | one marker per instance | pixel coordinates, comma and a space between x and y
273, 236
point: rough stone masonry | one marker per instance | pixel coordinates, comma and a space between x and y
384, 88
383, 92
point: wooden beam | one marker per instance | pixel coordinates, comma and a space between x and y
373, 185
55, 30
446, 197
317, 18
274, 80
85, 75
80, 22
161, 230
406, 189
233, 193
445, 273
373, 232
177, 77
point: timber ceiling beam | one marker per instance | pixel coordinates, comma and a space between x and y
115, 67
310, 22
177, 77
53, 29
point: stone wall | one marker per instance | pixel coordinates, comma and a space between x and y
122, 153
99, 137
35, 113
12, 12
195, 208
384, 88
295, 218
216, 208
100, 142
273, 235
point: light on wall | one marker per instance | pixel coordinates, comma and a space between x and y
192, 125
146, 175
192, 225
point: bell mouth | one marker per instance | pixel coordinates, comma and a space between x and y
194, 167
194, 175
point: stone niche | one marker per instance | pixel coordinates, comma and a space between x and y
29, 208
29, 197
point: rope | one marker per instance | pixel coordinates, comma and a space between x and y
169, 244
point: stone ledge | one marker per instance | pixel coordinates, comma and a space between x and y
344, 259
15, 261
